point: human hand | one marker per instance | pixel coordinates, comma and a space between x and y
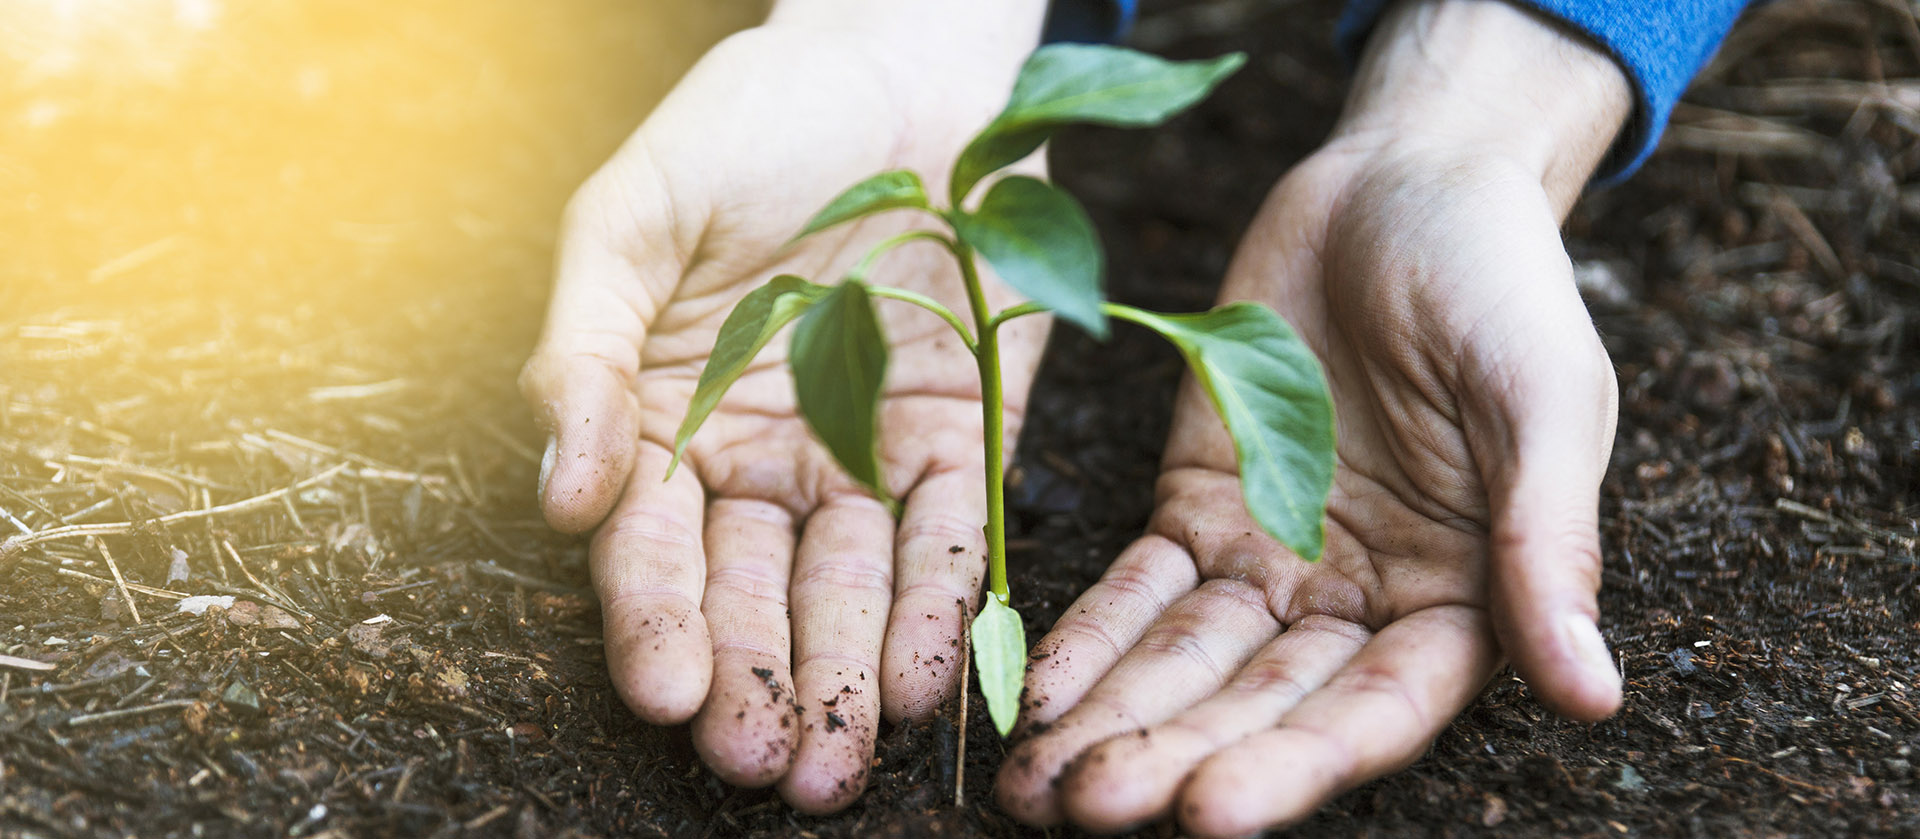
1213, 676
760, 592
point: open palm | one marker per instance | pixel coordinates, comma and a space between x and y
1215, 677
760, 592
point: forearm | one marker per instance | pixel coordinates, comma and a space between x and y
1489, 75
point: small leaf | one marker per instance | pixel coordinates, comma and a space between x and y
1000, 654
886, 191
1270, 391
1063, 84
747, 329
839, 361
1039, 239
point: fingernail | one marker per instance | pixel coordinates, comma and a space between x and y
1583, 639
546, 463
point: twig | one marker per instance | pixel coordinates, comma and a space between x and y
120, 527
1803, 511
287, 502
406, 780
337, 393
1700, 128
487, 535
507, 441
257, 582
1891, 538
322, 448
119, 581
368, 473
90, 510
488, 817
1803, 229
491, 570
136, 588
157, 472
966, 665
460, 479
28, 500
25, 664
110, 716
17, 524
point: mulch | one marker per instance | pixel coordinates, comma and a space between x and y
319, 424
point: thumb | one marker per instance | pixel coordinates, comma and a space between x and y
580, 380
1543, 452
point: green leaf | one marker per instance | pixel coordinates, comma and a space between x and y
1000, 655
1041, 242
839, 361
747, 329
886, 191
1063, 84
1270, 391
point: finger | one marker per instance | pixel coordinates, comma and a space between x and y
942, 554
1374, 716
842, 584
1543, 477
747, 730
1186, 656
1128, 780
1101, 625
580, 380
649, 569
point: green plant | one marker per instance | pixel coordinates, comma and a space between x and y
1265, 383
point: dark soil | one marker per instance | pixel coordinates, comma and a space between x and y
221, 291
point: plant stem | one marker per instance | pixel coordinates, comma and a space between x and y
1022, 310
931, 305
993, 430
874, 253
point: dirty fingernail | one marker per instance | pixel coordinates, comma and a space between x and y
546, 463
1583, 637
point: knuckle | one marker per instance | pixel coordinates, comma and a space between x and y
1231, 596
846, 666
751, 584
847, 576
630, 593
755, 650
1361, 681
1091, 631
1272, 679
634, 533
942, 591
938, 532
1181, 638
1570, 551
1138, 582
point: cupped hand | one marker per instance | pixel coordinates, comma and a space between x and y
1216, 678
1213, 675
759, 592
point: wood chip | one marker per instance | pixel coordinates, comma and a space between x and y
25, 664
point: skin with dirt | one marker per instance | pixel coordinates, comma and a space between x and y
411, 653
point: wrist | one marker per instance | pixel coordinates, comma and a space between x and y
995, 33
1495, 79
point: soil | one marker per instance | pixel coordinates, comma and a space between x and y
216, 289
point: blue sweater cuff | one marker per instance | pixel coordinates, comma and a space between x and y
1088, 21
1661, 45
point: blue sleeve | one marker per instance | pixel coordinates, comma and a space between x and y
1661, 44
1088, 21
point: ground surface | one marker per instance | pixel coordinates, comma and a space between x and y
305, 249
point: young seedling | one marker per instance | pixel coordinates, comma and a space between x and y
1264, 382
